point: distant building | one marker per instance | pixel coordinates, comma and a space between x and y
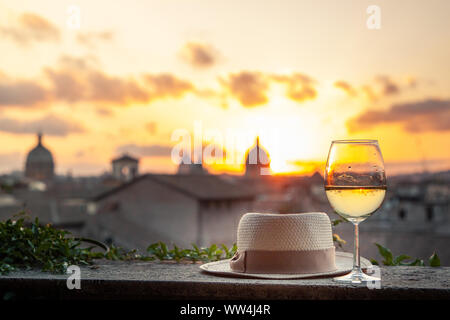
125, 168
286, 193
188, 167
180, 209
39, 164
63, 203
59, 200
257, 161
418, 207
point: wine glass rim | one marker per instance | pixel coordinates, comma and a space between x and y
362, 141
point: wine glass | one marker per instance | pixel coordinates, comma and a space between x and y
355, 185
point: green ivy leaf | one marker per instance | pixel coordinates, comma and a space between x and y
337, 221
417, 262
386, 254
400, 258
434, 260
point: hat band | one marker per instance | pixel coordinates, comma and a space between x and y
284, 262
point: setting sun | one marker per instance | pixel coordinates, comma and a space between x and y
78, 87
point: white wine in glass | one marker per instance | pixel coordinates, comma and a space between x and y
355, 203
355, 185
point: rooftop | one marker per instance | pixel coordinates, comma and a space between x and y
202, 187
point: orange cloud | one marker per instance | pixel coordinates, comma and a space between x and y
199, 55
426, 115
67, 85
166, 85
248, 87
383, 86
106, 88
21, 93
31, 27
389, 87
75, 80
370, 94
300, 87
50, 125
346, 87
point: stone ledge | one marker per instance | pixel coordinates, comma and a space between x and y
154, 280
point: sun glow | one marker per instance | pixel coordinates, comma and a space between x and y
289, 141
272, 86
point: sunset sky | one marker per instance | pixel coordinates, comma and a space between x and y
297, 73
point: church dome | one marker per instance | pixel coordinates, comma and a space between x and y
256, 158
39, 164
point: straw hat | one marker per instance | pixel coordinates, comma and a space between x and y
285, 246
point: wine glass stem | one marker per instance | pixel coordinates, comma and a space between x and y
356, 261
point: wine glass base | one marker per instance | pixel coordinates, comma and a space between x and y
356, 277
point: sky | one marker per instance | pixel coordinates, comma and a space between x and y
132, 75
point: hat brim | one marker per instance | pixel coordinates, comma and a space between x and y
344, 264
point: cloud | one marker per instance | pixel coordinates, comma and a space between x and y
153, 150
402, 167
199, 55
300, 87
75, 80
21, 93
389, 87
81, 80
167, 85
346, 87
251, 88
106, 88
67, 85
30, 27
248, 87
426, 115
92, 39
369, 93
382, 86
49, 125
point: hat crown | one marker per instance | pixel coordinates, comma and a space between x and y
285, 232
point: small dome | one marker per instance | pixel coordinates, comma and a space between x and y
257, 161
39, 154
257, 155
39, 164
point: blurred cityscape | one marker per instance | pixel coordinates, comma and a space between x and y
133, 209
